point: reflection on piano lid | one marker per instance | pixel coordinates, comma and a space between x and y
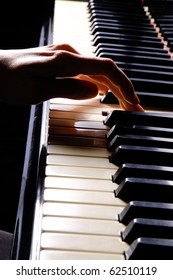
86, 206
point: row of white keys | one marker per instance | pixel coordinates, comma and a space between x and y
80, 210
80, 204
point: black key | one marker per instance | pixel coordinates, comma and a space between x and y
140, 140
126, 48
118, 17
142, 171
131, 51
143, 81
145, 190
115, 6
157, 86
142, 155
127, 65
147, 99
126, 41
166, 29
137, 58
114, 29
158, 76
139, 130
147, 228
165, 20
119, 25
140, 118
166, 25
150, 249
171, 45
145, 209
131, 36
168, 35
109, 98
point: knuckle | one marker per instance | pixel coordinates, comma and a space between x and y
59, 47
62, 55
109, 63
64, 46
64, 60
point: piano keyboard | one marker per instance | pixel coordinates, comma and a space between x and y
78, 173
162, 14
86, 212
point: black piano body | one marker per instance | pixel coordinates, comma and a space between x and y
21, 24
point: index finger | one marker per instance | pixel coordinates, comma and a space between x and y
115, 77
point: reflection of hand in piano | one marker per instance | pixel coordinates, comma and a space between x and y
55, 71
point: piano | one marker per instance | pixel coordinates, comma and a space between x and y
97, 181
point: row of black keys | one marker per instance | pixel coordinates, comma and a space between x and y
130, 40
145, 180
123, 32
162, 12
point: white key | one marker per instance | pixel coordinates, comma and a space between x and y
73, 140
79, 172
80, 184
72, 255
77, 124
83, 226
91, 211
79, 161
76, 116
80, 109
89, 197
94, 102
89, 243
78, 151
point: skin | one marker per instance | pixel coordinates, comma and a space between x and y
30, 76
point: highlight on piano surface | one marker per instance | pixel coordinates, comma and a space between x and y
97, 181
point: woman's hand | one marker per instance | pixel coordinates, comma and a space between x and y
30, 76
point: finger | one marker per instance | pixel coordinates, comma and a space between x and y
115, 77
131, 107
122, 105
115, 89
100, 81
67, 64
101, 87
68, 88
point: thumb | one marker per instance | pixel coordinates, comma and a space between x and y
68, 88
